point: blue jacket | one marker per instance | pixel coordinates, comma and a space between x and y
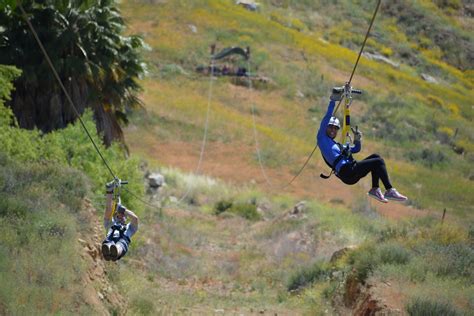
329, 148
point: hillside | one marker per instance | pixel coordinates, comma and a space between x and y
424, 129
225, 234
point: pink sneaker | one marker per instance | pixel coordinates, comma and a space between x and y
393, 195
376, 193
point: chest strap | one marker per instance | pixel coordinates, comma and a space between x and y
345, 153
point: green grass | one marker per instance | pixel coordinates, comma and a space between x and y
422, 307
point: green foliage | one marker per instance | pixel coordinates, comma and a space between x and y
246, 210
363, 261
428, 307
393, 253
39, 205
7, 75
97, 64
306, 276
453, 260
143, 306
428, 156
58, 147
222, 206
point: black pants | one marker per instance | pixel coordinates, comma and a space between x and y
352, 173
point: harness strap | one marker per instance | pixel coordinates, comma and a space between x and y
333, 168
121, 229
345, 153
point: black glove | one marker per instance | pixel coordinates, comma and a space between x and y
337, 93
357, 134
109, 187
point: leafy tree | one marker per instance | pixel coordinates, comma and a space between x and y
98, 66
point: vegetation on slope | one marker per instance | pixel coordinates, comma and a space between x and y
43, 181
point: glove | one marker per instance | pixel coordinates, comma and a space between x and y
109, 187
357, 134
337, 93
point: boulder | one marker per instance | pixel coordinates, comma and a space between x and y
156, 180
429, 78
381, 58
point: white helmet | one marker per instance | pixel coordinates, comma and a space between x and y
335, 122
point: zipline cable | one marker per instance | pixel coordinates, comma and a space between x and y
255, 134
43, 50
349, 82
257, 146
63, 88
206, 128
361, 49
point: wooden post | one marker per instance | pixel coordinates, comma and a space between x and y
444, 214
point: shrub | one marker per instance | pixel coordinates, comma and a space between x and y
246, 210
222, 206
393, 254
307, 276
428, 157
427, 307
363, 260
453, 260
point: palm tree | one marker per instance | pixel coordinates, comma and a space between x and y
98, 66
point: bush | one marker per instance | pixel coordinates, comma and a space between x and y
393, 254
363, 260
428, 157
427, 307
246, 210
453, 260
222, 206
307, 276
71, 147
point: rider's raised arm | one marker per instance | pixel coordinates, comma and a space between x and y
326, 118
108, 207
133, 218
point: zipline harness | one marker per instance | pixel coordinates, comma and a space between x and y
346, 140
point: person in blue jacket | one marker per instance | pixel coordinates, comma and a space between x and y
340, 159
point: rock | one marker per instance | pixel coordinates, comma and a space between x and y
298, 208
381, 58
248, 4
82, 241
429, 78
193, 28
156, 180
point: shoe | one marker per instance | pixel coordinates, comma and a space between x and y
376, 193
106, 252
393, 195
114, 252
